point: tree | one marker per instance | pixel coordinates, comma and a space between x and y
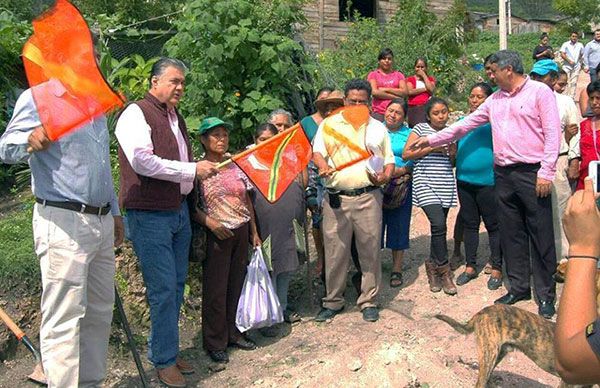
243, 61
581, 14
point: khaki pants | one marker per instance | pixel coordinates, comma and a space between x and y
572, 77
560, 195
78, 267
361, 215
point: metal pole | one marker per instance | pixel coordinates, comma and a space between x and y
502, 24
509, 18
130, 341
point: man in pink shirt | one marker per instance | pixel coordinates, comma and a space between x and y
157, 179
526, 135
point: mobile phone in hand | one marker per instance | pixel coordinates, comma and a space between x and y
594, 174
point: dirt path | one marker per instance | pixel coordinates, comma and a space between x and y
405, 348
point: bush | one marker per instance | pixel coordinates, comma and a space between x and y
243, 60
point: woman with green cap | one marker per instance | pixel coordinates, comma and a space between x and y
228, 215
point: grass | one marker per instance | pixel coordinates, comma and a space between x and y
19, 267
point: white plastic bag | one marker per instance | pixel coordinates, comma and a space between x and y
258, 305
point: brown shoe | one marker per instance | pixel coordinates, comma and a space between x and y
435, 283
171, 376
446, 276
184, 366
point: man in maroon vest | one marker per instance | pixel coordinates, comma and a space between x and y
157, 174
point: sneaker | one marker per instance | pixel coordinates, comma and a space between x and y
370, 314
326, 314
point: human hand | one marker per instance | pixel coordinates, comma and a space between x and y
218, 229
581, 220
586, 70
326, 172
38, 140
542, 187
206, 169
421, 142
256, 241
573, 171
378, 179
572, 129
119, 231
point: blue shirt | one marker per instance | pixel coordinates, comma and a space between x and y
74, 168
398, 140
475, 157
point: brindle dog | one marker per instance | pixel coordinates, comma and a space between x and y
500, 329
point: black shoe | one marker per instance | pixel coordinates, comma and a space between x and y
291, 316
546, 309
370, 314
465, 278
219, 356
512, 298
326, 314
494, 283
244, 344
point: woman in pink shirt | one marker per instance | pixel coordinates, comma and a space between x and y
386, 84
589, 142
420, 89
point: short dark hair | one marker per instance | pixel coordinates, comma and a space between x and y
575, 32
505, 58
163, 63
562, 72
543, 35
324, 89
357, 84
384, 53
593, 87
433, 101
265, 127
487, 89
400, 101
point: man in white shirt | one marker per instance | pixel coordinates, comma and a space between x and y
572, 52
157, 177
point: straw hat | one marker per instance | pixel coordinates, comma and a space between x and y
335, 98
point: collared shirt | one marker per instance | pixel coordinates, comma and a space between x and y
525, 127
373, 137
574, 52
74, 168
569, 114
133, 133
591, 54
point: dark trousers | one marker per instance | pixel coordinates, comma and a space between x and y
223, 274
524, 217
478, 202
437, 215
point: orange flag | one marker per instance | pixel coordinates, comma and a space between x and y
68, 88
274, 164
344, 152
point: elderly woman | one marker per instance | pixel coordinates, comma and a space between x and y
397, 212
420, 89
228, 215
476, 193
276, 220
387, 83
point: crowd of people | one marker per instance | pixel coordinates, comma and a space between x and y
513, 161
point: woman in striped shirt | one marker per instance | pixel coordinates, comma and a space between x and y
434, 190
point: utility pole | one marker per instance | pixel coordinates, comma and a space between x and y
502, 24
509, 18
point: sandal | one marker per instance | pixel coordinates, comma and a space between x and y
396, 279
291, 317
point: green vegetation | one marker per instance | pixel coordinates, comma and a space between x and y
19, 267
523, 8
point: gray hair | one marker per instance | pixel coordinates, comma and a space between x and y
163, 63
505, 58
280, 112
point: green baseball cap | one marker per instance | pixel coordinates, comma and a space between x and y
212, 122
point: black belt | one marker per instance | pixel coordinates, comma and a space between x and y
563, 154
356, 192
76, 206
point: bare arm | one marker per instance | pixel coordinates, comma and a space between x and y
411, 153
575, 360
254, 237
583, 101
381, 93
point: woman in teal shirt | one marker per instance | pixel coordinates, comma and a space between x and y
396, 221
476, 192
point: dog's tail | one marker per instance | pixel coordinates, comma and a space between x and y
463, 328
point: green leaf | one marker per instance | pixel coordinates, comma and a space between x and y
215, 95
215, 51
254, 95
247, 123
267, 53
248, 105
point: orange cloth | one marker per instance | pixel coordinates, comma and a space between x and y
61, 51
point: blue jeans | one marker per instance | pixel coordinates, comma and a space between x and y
161, 240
